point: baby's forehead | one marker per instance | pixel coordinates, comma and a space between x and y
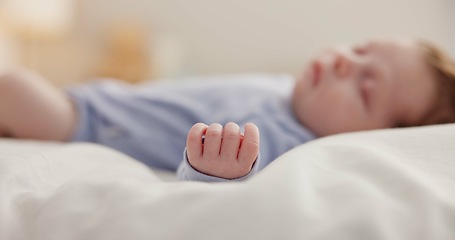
402, 55
390, 43
395, 49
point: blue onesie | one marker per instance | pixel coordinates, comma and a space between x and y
150, 121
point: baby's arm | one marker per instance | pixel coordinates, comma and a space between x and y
224, 153
31, 107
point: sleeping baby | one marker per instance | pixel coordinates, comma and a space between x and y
382, 83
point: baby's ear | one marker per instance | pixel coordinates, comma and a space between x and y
399, 125
441, 114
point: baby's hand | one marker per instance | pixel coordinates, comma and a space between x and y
224, 153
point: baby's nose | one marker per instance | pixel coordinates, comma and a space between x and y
343, 65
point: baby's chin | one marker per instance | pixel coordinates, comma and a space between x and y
302, 80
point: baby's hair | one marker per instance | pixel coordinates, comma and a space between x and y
444, 70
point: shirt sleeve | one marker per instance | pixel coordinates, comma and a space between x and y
186, 172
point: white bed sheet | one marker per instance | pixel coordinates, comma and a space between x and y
388, 184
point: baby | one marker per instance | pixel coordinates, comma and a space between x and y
382, 83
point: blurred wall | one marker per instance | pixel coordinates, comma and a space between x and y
271, 35
226, 36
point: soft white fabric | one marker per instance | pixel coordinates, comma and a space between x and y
388, 184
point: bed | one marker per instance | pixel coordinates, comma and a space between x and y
385, 184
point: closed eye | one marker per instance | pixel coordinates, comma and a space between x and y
360, 49
365, 87
364, 93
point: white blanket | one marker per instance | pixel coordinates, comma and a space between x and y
388, 184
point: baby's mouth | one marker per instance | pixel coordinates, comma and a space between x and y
316, 70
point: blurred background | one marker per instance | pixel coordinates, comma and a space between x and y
72, 41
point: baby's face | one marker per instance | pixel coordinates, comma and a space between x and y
379, 84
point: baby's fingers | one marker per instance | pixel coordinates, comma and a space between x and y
231, 142
249, 148
194, 141
212, 143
